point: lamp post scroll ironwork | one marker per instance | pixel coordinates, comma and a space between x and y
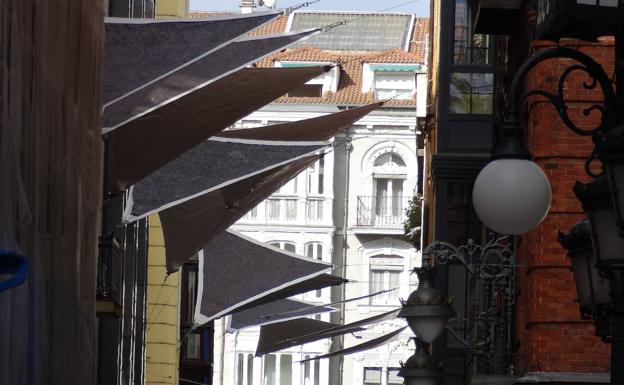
603, 199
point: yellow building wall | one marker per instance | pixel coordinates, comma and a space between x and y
162, 350
167, 9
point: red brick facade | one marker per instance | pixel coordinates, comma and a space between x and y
552, 337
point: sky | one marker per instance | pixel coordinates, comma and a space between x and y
419, 7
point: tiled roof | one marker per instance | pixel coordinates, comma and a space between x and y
418, 44
350, 86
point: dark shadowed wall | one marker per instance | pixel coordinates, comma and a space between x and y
50, 186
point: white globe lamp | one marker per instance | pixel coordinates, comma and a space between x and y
511, 195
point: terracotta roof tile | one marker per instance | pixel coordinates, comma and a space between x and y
420, 36
276, 26
350, 85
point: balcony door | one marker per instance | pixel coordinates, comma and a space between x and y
389, 173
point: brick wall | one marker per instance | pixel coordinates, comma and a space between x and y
551, 335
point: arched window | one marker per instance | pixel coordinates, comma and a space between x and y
389, 159
389, 174
385, 274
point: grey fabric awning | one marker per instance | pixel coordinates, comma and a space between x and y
235, 270
314, 283
189, 226
319, 128
286, 334
280, 310
139, 51
371, 344
193, 76
212, 165
146, 144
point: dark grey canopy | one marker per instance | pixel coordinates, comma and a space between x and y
320, 128
287, 334
189, 226
371, 344
138, 51
280, 310
158, 137
236, 270
210, 166
314, 283
193, 76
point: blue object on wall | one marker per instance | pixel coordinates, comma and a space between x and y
12, 264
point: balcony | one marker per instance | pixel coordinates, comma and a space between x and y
381, 215
108, 285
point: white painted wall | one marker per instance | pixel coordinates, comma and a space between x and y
380, 132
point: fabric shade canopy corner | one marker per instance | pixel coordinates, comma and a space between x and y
236, 270
283, 335
271, 312
371, 344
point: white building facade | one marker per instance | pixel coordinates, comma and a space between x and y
347, 209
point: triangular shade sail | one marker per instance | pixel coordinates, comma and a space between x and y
280, 310
273, 340
314, 283
319, 128
283, 335
209, 166
193, 76
375, 342
235, 270
189, 226
146, 144
138, 51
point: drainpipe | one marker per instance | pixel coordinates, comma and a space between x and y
345, 225
223, 349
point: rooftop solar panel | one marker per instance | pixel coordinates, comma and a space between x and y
363, 32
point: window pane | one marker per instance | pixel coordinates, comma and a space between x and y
285, 369
291, 208
372, 376
289, 247
250, 369
192, 346
191, 296
317, 372
269, 369
469, 48
239, 369
310, 250
471, 93
307, 90
393, 283
319, 251
306, 371
393, 376
273, 208
321, 175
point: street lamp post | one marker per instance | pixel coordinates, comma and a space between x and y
511, 169
428, 312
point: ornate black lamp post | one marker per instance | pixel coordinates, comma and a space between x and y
504, 203
427, 311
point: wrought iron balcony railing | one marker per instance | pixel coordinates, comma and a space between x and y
387, 212
109, 271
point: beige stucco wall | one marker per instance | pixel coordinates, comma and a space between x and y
163, 308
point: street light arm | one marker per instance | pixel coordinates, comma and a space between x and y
510, 143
